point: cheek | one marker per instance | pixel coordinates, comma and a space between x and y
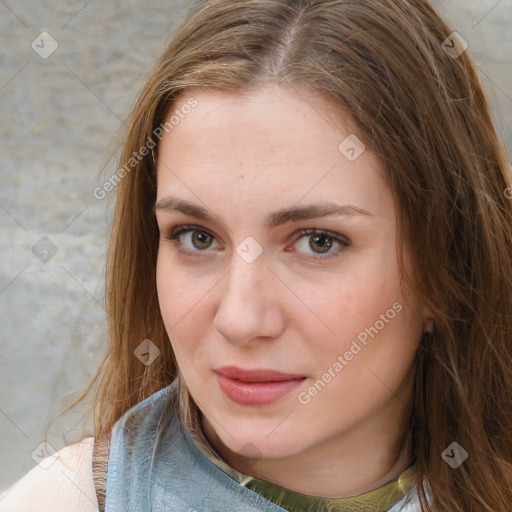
179, 291
174, 299
165, 288
367, 360
342, 308
182, 297
375, 333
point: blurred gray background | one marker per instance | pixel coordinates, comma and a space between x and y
61, 109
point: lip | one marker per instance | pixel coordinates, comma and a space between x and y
256, 387
256, 375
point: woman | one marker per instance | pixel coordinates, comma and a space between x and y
309, 282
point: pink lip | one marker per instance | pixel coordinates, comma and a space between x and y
256, 387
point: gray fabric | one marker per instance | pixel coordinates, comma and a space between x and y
155, 466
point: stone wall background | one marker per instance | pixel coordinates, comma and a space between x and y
59, 120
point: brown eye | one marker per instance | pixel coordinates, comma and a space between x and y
319, 242
201, 240
191, 238
323, 242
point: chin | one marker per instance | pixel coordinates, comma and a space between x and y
256, 445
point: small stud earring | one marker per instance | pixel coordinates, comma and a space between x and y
429, 327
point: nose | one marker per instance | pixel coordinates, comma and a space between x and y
249, 308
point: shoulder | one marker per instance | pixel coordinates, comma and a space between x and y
60, 483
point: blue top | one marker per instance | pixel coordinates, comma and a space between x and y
154, 465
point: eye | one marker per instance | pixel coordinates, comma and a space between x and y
192, 238
320, 242
195, 239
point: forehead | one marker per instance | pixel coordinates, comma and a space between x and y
272, 120
268, 145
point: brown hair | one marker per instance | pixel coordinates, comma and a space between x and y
424, 113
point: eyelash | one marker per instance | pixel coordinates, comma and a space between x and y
174, 233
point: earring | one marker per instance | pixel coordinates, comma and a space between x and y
429, 327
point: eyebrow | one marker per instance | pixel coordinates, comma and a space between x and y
274, 219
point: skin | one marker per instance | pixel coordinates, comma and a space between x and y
242, 157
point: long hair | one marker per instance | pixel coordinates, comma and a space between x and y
397, 70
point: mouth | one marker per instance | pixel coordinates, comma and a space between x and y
256, 387
256, 375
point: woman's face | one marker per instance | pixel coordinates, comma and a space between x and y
243, 287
